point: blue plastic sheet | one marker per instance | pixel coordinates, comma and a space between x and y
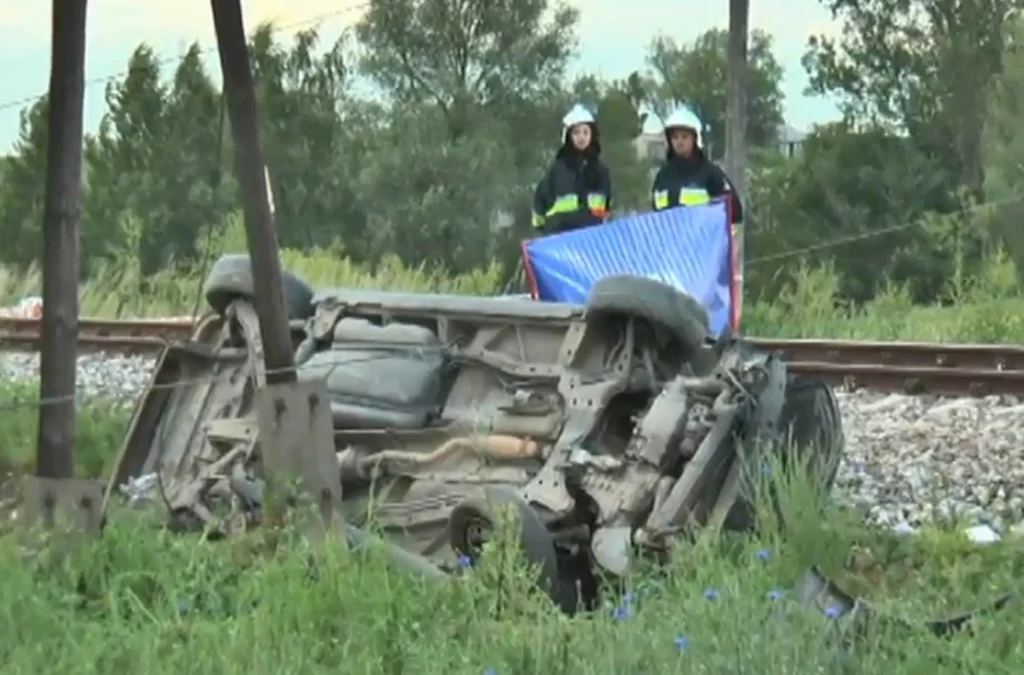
688, 248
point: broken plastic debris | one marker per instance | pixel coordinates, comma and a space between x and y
903, 528
30, 307
982, 534
978, 534
818, 591
139, 490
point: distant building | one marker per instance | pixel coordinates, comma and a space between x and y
650, 146
791, 141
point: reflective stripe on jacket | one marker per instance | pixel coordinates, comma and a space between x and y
564, 201
692, 182
685, 197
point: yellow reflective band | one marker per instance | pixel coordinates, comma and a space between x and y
564, 204
694, 197
598, 204
660, 200
538, 220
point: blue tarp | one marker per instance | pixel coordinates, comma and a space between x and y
687, 248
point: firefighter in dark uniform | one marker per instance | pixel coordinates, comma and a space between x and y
688, 178
576, 191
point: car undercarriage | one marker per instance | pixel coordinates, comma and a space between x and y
609, 428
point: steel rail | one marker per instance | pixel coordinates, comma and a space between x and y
168, 330
909, 367
918, 354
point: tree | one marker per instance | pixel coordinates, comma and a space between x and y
490, 72
312, 145
923, 66
697, 74
504, 60
21, 192
1003, 148
127, 158
436, 199
465, 55
621, 123
854, 195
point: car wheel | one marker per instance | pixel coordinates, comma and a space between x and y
231, 278
812, 429
655, 302
474, 520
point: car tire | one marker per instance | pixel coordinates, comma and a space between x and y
230, 278
537, 543
813, 422
653, 301
812, 428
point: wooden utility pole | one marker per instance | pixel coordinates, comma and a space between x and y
55, 455
252, 179
736, 102
736, 116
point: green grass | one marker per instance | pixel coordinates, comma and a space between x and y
101, 427
141, 598
173, 605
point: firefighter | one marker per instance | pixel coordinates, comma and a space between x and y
576, 191
688, 178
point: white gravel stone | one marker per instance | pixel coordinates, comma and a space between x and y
109, 376
912, 460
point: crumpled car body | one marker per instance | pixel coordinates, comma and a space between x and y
604, 429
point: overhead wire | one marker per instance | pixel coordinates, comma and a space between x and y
323, 16
880, 232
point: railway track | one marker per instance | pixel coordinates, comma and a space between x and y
908, 367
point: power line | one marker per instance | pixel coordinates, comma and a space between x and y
840, 241
28, 100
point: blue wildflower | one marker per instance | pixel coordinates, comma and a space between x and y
490, 671
629, 597
681, 642
465, 562
764, 554
766, 469
183, 606
833, 612
775, 595
621, 613
711, 594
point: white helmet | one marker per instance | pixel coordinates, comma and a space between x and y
578, 115
684, 118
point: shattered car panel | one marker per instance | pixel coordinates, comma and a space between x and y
599, 427
818, 591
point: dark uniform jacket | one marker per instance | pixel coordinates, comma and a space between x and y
575, 192
693, 181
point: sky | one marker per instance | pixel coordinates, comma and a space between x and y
614, 36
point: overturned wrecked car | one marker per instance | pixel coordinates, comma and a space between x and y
608, 427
